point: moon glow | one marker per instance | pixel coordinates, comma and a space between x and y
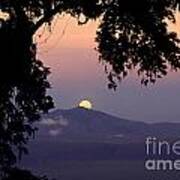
85, 104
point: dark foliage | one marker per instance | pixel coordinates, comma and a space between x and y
20, 174
134, 35
23, 86
130, 35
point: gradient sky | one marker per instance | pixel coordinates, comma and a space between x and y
77, 74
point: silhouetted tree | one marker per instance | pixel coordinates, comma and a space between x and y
23, 78
23, 86
134, 34
130, 35
19, 174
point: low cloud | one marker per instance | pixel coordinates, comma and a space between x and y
52, 122
54, 132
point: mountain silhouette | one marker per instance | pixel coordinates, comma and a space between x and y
73, 140
80, 124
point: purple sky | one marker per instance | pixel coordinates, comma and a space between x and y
77, 74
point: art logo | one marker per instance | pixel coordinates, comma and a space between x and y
162, 155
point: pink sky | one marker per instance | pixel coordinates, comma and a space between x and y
77, 74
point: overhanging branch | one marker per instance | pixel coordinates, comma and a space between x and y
45, 18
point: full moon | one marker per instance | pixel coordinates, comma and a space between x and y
85, 104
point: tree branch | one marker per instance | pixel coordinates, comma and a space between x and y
45, 18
